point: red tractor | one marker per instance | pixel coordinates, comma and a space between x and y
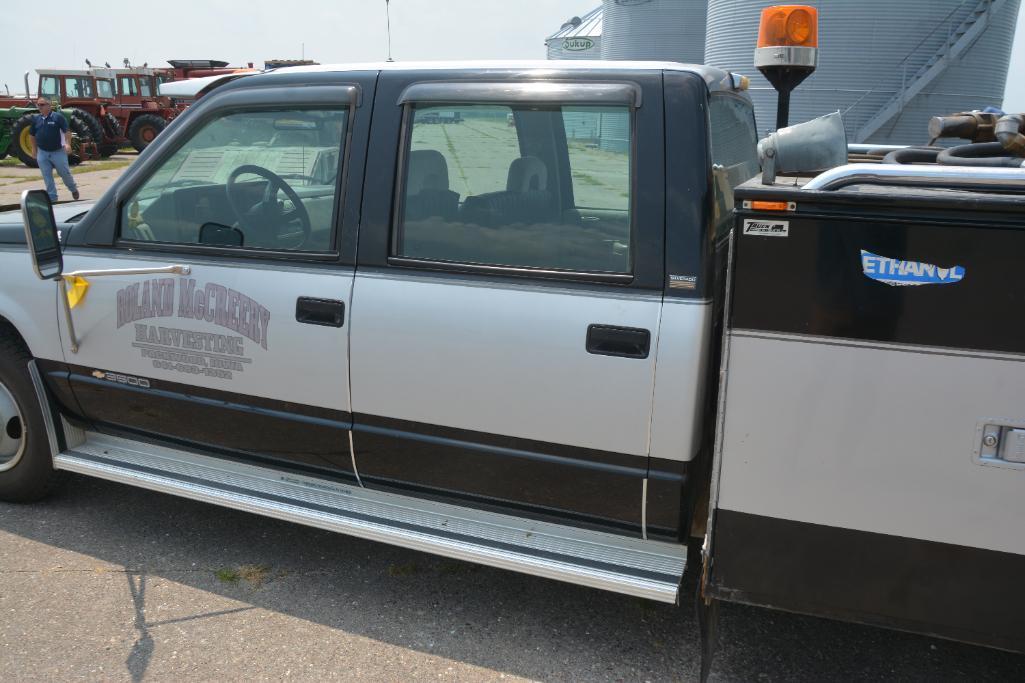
135, 112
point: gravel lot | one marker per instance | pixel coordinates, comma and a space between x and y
107, 582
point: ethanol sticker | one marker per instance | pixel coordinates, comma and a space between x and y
899, 273
763, 228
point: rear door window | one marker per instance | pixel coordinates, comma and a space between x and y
546, 187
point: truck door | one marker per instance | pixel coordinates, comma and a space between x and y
506, 305
244, 350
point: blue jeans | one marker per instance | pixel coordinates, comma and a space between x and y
48, 161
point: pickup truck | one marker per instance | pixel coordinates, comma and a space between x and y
593, 346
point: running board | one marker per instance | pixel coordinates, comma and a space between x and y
646, 569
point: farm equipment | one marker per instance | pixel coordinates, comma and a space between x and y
15, 127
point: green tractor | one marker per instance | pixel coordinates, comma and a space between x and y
15, 128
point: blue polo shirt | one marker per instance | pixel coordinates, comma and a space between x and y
47, 130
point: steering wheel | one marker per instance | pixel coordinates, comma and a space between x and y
267, 215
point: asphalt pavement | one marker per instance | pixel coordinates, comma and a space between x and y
107, 582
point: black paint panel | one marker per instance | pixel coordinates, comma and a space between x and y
218, 420
811, 282
952, 591
474, 468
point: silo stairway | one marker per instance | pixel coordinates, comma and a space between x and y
959, 40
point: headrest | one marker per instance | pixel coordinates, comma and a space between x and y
428, 170
527, 173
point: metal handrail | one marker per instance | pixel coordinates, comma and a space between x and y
945, 177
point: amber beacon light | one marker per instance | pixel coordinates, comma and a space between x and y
787, 52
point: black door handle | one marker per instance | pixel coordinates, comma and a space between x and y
329, 312
627, 342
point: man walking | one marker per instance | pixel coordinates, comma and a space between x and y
52, 142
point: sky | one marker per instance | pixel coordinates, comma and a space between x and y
325, 30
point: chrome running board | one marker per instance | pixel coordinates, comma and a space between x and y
646, 569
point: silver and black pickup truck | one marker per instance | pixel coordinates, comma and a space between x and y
546, 317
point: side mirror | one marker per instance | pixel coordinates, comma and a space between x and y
41, 234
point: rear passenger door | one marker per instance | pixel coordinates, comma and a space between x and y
508, 292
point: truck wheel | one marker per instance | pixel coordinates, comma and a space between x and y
144, 129
21, 141
26, 468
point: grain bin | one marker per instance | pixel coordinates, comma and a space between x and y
886, 66
577, 38
669, 30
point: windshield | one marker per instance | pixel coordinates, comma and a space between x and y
105, 87
79, 87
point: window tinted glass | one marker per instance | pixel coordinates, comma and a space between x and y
734, 142
79, 87
126, 86
263, 180
537, 187
105, 88
48, 87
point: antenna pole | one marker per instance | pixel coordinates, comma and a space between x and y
387, 13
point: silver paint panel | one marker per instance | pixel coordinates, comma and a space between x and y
873, 439
502, 360
526, 545
30, 304
680, 381
304, 364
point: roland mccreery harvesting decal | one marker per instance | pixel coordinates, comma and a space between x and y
899, 273
188, 351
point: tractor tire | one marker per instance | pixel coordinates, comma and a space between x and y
79, 133
3, 153
26, 465
21, 142
112, 133
144, 129
90, 122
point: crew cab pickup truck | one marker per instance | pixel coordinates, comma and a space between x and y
575, 346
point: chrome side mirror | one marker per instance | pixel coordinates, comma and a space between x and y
41, 234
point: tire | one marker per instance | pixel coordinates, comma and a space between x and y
79, 132
112, 132
26, 467
144, 129
20, 141
90, 122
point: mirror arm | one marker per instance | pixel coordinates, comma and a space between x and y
175, 270
63, 283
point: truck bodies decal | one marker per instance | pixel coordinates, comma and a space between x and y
898, 273
764, 228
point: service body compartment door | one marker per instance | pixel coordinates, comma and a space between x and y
861, 389
256, 192
504, 334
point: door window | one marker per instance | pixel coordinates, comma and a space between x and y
126, 86
258, 179
48, 87
79, 87
543, 187
105, 88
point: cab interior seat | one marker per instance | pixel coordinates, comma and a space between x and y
427, 190
526, 198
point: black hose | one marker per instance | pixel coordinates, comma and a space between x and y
911, 155
978, 154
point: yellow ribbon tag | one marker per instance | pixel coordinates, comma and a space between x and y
77, 287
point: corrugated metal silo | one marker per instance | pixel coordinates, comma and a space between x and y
579, 38
671, 30
888, 66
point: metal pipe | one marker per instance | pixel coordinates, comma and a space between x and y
1006, 179
985, 154
28, 91
1009, 133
